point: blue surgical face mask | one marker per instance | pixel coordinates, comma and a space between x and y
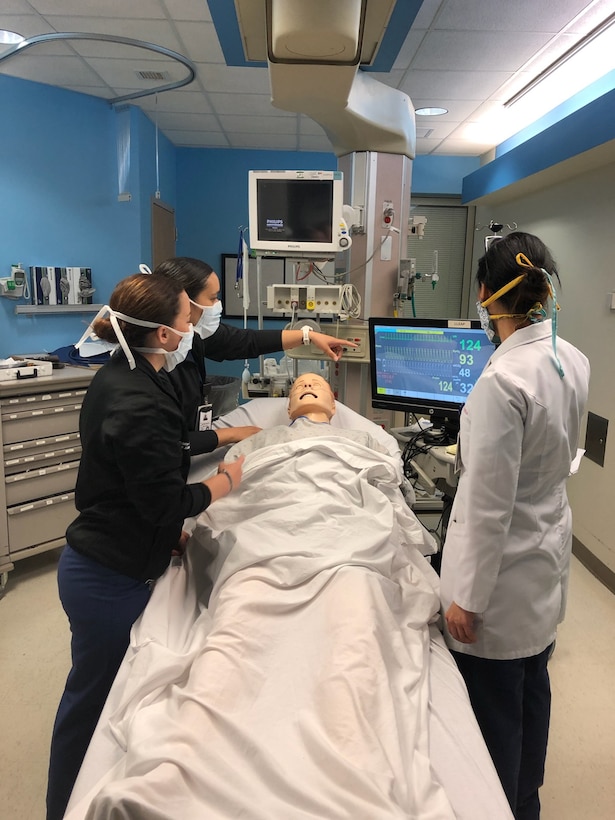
209, 320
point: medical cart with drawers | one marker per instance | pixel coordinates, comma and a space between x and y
39, 435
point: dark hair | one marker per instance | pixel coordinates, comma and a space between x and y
499, 266
151, 297
191, 273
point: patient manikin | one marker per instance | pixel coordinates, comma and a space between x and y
311, 406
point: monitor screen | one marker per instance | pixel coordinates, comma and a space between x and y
297, 210
297, 213
426, 366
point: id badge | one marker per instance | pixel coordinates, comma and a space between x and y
204, 417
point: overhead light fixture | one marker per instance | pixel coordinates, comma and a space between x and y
588, 38
431, 111
579, 69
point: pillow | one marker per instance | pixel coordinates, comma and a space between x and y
270, 412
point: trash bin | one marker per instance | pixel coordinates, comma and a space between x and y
223, 393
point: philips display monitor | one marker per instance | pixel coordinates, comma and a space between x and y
297, 213
426, 366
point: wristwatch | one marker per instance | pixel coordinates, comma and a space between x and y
306, 334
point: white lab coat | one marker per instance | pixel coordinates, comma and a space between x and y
507, 549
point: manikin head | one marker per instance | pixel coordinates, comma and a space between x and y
311, 397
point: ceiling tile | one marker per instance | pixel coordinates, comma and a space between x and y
308, 142
59, 71
239, 124
103, 49
179, 101
278, 142
146, 9
16, 7
462, 85
187, 10
246, 104
408, 50
200, 42
522, 16
28, 25
197, 139
475, 51
190, 122
234, 78
158, 32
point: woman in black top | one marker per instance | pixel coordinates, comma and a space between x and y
220, 342
132, 496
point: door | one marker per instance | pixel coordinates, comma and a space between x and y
163, 232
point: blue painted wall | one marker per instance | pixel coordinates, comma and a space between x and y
58, 166
212, 198
436, 175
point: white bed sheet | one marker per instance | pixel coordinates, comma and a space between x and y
315, 682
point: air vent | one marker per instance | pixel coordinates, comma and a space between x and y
423, 133
153, 75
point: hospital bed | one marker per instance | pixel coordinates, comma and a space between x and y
290, 664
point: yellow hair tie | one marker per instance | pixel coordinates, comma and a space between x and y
523, 262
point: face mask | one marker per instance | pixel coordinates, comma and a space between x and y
486, 323
209, 320
173, 357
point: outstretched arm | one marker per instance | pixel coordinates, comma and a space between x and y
331, 345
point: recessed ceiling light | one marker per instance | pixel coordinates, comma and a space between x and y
10, 38
431, 111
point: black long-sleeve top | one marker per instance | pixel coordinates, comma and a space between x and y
131, 490
189, 378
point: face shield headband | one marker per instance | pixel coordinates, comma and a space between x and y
114, 315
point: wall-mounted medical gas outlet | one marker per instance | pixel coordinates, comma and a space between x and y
416, 225
304, 299
388, 214
358, 334
406, 278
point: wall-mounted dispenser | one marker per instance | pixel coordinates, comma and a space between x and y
15, 286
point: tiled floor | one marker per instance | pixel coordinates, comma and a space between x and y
34, 659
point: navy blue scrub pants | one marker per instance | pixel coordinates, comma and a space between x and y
512, 704
101, 606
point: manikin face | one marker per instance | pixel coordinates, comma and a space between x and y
311, 396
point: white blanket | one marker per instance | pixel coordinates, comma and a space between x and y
301, 690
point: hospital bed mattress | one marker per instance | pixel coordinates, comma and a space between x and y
176, 637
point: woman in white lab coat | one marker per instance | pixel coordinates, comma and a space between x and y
506, 556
